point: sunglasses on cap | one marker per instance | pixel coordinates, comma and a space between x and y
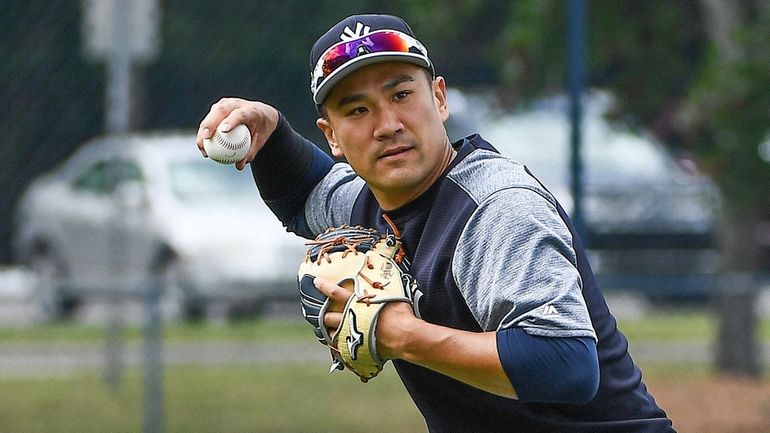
378, 43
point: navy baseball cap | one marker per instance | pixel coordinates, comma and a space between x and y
358, 41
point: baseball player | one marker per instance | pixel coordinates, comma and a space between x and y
511, 332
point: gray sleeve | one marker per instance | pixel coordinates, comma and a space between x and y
330, 203
516, 267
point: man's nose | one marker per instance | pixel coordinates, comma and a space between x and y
388, 124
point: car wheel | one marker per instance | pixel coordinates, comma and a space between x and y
179, 298
53, 301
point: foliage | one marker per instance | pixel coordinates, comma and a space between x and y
259, 50
648, 61
51, 96
731, 102
461, 36
663, 62
658, 58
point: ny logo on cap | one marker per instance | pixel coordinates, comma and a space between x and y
361, 30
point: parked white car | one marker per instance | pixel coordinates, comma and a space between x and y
129, 211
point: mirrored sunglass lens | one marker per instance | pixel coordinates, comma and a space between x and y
374, 43
333, 62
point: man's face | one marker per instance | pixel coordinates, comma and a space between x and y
387, 120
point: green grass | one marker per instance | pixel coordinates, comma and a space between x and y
659, 326
262, 397
218, 398
259, 330
229, 398
674, 371
680, 325
670, 326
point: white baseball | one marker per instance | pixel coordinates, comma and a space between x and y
228, 147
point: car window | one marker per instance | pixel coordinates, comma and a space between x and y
127, 171
200, 180
102, 176
93, 179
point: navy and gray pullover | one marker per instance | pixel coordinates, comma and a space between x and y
492, 251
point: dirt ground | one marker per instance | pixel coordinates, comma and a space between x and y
715, 404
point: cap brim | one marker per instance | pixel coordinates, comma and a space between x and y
359, 62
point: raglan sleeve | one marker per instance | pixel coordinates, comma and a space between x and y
516, 266
301, 184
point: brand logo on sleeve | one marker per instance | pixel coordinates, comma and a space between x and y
550, 310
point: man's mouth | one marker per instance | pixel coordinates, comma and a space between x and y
395, 151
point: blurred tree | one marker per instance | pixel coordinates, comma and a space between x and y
50, 96
645, 52
54, 95
698, 89
694, 73
728, 109
261, 50
662, 59
461, 36
729, 120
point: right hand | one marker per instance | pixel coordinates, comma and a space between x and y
261, 119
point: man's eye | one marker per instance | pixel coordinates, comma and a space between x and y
401, 95
357, 111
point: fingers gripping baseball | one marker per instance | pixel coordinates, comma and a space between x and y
260, 119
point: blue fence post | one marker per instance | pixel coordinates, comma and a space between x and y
576, 44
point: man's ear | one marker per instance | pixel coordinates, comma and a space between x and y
439, 94
326, 127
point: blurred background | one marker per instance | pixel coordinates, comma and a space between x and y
130, 280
